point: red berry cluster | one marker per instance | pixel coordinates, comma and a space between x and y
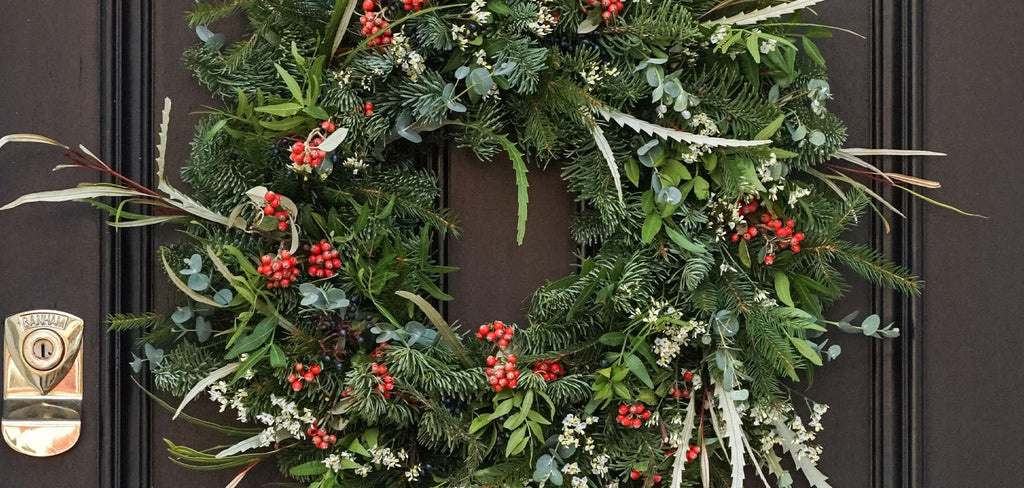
413, 4
374, 23
611, 8
502, 374
367, 109
496, 331
692, 453
635, 475
301, 374
303, 154
273, 207
387, 383
677, 393
785, 236
632, 415
280, 270
320, 438
549, 370
323, 259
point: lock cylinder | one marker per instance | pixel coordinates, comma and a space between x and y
42, 382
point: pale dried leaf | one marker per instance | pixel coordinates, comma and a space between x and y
69, 194
609, 156
205, 383
642, 126
758, 15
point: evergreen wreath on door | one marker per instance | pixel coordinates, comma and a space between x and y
714, 185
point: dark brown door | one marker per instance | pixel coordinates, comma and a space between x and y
935, 408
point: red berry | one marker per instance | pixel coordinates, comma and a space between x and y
503, 342
735, 238
634, 475
296, 385
511, 358
752, 231
308, 376
769, 259
795, 248
799, 236
656, 478
790, 223
623, 409
491, 360
268, 210
282, 226
687, 376
690, 456
368, 5
315, 369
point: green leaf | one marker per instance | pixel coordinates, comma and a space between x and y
614, 338
259, 336
701, 188
277, 358
806, 350
633, 172
754, 48
744, 253
782, 288
652, 224
813, 52
636, 366
681, 241
870, 324
771, 128
286, 109
523, 198
516, 442
311, 468
293, 86
449, 335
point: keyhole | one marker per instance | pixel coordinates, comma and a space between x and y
43, 349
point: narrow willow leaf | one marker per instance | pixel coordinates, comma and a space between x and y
79, 193
806, 350
859, 151
205, 383
33, 138
447, 333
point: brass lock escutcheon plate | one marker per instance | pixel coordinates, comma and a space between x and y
42, 381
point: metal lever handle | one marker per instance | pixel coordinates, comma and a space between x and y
42, 382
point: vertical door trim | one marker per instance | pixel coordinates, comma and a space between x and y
898, 106
126, 135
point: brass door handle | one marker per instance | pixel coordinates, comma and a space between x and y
42, 382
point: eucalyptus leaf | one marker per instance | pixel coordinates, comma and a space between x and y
203, 329
154, 355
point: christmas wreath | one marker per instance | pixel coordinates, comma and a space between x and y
715, 190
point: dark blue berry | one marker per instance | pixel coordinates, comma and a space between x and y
334, 158
473, 26
604, 363
339, 365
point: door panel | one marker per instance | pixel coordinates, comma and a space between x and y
973, 305
497, 276
52, 260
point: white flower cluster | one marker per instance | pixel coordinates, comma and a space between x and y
413, 473
288, 420
676, 337
406, 57
578, 482
797, 194
818, 410
355, 164
594, 74
802, 439
544, 24
219, 393
769, 46
460, 34
599, 465
333, 462
384, 456
705, 127
477, 10
481, 59
571, 469
573, 428
724, 216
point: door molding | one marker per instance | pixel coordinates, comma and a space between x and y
126, 135
898, 113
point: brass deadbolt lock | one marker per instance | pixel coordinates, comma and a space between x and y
42, 381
